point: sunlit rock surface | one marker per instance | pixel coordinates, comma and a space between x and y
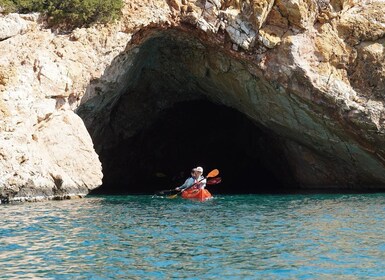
307, 75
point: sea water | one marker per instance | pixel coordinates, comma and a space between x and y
228, 237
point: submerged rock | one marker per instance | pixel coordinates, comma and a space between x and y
310, 72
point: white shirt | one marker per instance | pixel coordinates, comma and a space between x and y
191, 181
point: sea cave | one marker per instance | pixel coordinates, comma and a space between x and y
171, 102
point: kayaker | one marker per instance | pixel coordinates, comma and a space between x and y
196, 178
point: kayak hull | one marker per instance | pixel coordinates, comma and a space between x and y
197, 194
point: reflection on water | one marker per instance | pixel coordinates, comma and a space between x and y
240, 237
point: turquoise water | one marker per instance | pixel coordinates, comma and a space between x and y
229, 237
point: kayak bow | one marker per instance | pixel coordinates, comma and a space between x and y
196, 194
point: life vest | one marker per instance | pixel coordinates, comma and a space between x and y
198, 185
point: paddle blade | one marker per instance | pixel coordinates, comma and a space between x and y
213, 173
214, 181
167, 192
172, 196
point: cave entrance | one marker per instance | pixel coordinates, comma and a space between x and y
173, 103
193, 133
174, 100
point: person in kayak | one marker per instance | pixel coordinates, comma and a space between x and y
196, 178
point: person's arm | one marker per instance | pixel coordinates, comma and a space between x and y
186, 184
202, 184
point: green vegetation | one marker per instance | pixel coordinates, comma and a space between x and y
68, 13
7, 6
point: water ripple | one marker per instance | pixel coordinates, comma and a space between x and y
232, 237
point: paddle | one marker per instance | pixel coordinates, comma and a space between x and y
212, 173
212, 181
167, 192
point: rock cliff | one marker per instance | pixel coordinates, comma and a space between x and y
310, 72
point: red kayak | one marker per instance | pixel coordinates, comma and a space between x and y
197, 194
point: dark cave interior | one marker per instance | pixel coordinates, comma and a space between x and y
174, 102
197, 133
167, 115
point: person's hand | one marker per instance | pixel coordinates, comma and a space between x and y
177, 189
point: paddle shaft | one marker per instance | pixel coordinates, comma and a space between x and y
193, 185
213, 173
212, 181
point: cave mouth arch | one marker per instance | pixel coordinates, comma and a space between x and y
192, 133
174, 102
144, 112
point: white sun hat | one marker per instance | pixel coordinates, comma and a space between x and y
199, 169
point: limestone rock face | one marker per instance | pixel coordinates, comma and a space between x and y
311, 71
14, 24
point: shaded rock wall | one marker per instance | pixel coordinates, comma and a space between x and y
312, 72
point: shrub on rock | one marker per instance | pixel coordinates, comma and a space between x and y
67, 13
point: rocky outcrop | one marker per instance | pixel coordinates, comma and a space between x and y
311, 72
14, 24
45, 150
